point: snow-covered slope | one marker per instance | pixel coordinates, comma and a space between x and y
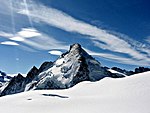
123, 95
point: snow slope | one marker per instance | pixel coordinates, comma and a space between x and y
123, 95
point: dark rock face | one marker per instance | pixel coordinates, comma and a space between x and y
136, 71
4, 78
82, 74
45, 66
141, 69
32, 74
2, 73
120, 70
116, 75
16, 85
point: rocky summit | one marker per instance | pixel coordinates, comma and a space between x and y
72, 67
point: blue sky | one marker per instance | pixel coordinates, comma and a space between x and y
115, 32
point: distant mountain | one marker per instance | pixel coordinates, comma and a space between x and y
136, 71
4, 78
72, 67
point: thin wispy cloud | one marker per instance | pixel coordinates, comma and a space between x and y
34, 39
9, 43
55, 52
5, 34
45, 43
119, 59
115, 43
39, 40
101, 38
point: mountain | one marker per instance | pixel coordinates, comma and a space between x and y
4, 78
69, 69
72, 67
14, 86
122, 95
136, 71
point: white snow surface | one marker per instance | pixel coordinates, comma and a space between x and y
123, 95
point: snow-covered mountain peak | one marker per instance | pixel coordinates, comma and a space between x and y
76, 49
72, 67
75, 46
69, 69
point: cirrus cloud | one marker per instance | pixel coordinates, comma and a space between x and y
129, 49
9, 43
101, 38
55, 52
39, 40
